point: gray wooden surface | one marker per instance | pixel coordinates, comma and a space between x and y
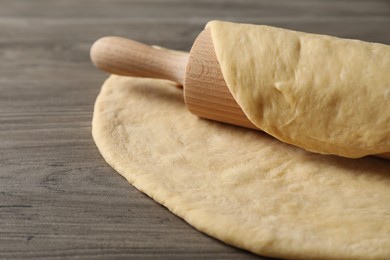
58, 198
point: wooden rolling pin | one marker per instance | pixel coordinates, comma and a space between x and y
205, 91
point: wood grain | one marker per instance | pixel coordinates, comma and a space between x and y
126, 57
205, 90
58, 198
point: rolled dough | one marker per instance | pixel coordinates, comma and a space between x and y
325, 94
242, 186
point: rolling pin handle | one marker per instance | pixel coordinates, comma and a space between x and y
130, 58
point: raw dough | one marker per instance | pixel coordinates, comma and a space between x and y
325, 94
242, 186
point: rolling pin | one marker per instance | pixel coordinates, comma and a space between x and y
205, 91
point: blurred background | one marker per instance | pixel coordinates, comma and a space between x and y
58, 198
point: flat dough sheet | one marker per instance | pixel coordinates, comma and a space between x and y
242, 186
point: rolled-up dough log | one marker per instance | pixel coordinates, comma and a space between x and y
325, 94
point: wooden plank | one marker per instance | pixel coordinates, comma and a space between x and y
58, 198
156, 10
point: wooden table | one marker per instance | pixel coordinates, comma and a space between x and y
58, 197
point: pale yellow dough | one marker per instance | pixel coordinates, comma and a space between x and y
325, 94
242, 186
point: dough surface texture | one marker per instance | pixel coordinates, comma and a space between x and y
242, 186
325, 94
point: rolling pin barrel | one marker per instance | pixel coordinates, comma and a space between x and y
130, 58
